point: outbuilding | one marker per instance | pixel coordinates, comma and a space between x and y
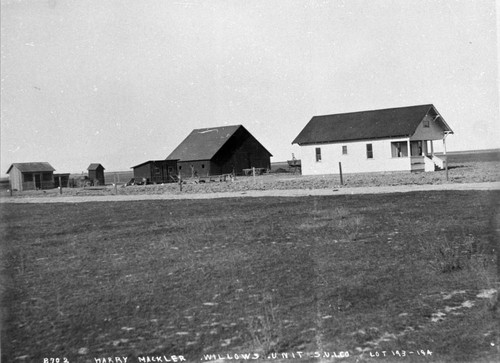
61, 180
31, 176
96, 174
394, 139
218, 151
156, 171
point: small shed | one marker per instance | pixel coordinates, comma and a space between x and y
31, 176
61, 180
156, 171
96, 174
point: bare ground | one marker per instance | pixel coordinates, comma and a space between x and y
461, 176
67, 198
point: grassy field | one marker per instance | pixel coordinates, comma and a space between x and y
358, 274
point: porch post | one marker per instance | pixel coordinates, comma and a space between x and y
445, 157
432, 149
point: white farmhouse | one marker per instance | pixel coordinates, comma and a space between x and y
395, 139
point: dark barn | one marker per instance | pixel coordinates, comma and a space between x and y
156, 171
96, 174
31, 176
218, 151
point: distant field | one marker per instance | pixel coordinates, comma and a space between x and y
354, 274
474, 156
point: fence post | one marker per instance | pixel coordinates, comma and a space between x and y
180, 182
116, 189
253, 173
340, 172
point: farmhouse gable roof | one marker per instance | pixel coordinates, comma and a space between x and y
367, 125
203, 144
32, 167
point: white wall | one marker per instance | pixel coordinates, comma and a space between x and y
355, 161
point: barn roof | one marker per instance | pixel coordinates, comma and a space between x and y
32, 167
154, 161
203, 144
94, 166
367, 125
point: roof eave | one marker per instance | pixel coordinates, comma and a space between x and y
350, 140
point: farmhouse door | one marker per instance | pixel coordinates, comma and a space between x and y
416, 148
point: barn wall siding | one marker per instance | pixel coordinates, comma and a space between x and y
355, 161
243, 151
200, 168
143, 171
156, 171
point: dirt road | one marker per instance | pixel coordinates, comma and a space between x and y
258, 193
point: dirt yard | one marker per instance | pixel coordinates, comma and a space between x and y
459, 173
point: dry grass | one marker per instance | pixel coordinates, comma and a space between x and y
247, 275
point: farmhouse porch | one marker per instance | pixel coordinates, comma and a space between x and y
422, 156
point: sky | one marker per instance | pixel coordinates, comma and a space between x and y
121, 82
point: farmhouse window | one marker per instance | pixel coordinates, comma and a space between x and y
399, 149
318, 154
28, 177
426, 123
203, 166
344, 150
180, 167
369, 151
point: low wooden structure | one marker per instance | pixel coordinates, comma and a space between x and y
156, 171
61, 180
31, 176
295, 165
